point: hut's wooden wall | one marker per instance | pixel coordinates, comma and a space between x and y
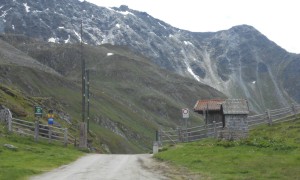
214, 116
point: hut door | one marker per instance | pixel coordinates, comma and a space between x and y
223, 120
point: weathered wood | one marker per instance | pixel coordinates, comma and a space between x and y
179, 133
6, 117
237, 125
65, 137
36, 131
49, 133
215, 130
83, 136
159, 138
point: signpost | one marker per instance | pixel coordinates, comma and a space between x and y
185, 116
38, 111
185, 113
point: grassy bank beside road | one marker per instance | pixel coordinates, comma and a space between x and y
270, 152
30, 158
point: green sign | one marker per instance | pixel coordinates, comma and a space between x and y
38, 111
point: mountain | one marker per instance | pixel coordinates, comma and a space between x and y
131, 97
241, 62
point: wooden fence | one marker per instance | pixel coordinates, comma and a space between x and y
180, 134
37, 130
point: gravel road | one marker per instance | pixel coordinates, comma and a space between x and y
108, 167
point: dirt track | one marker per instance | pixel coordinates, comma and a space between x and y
106, 167
117, 167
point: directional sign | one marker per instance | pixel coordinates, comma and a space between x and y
38, 111
185, 113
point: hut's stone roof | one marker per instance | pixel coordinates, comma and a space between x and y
235, 106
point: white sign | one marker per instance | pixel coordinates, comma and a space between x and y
185, 113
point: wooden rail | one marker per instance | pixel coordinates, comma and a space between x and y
36, 130
211, 130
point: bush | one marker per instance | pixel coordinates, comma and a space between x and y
163, 149
266, 142
227, 143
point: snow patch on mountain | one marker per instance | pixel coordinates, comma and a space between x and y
3, 15
188, 43
193, 74
125, 13
77, 35
52, 39
36, 11
68, 40
26, 7
162, 25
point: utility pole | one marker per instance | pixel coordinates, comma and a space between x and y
88, 99
83, 127
83, 74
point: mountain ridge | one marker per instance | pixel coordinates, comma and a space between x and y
240, 61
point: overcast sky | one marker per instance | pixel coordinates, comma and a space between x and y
279, 20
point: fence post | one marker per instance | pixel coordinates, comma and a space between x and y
50, 133
269, 117
83, 136
66, 137
36, 131
215, 129
159, 137
179, 134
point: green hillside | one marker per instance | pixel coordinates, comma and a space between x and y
26, 158
130, 97
270, 152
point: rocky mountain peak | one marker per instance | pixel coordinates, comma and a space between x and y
244, 28
123, 8
240, 61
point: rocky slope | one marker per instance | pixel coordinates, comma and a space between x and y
240, 62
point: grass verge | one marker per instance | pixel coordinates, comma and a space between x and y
30, 158
269, 153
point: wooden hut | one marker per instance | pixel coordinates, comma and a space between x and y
210, 109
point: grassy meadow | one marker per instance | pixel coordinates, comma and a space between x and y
31, 158
270, 152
